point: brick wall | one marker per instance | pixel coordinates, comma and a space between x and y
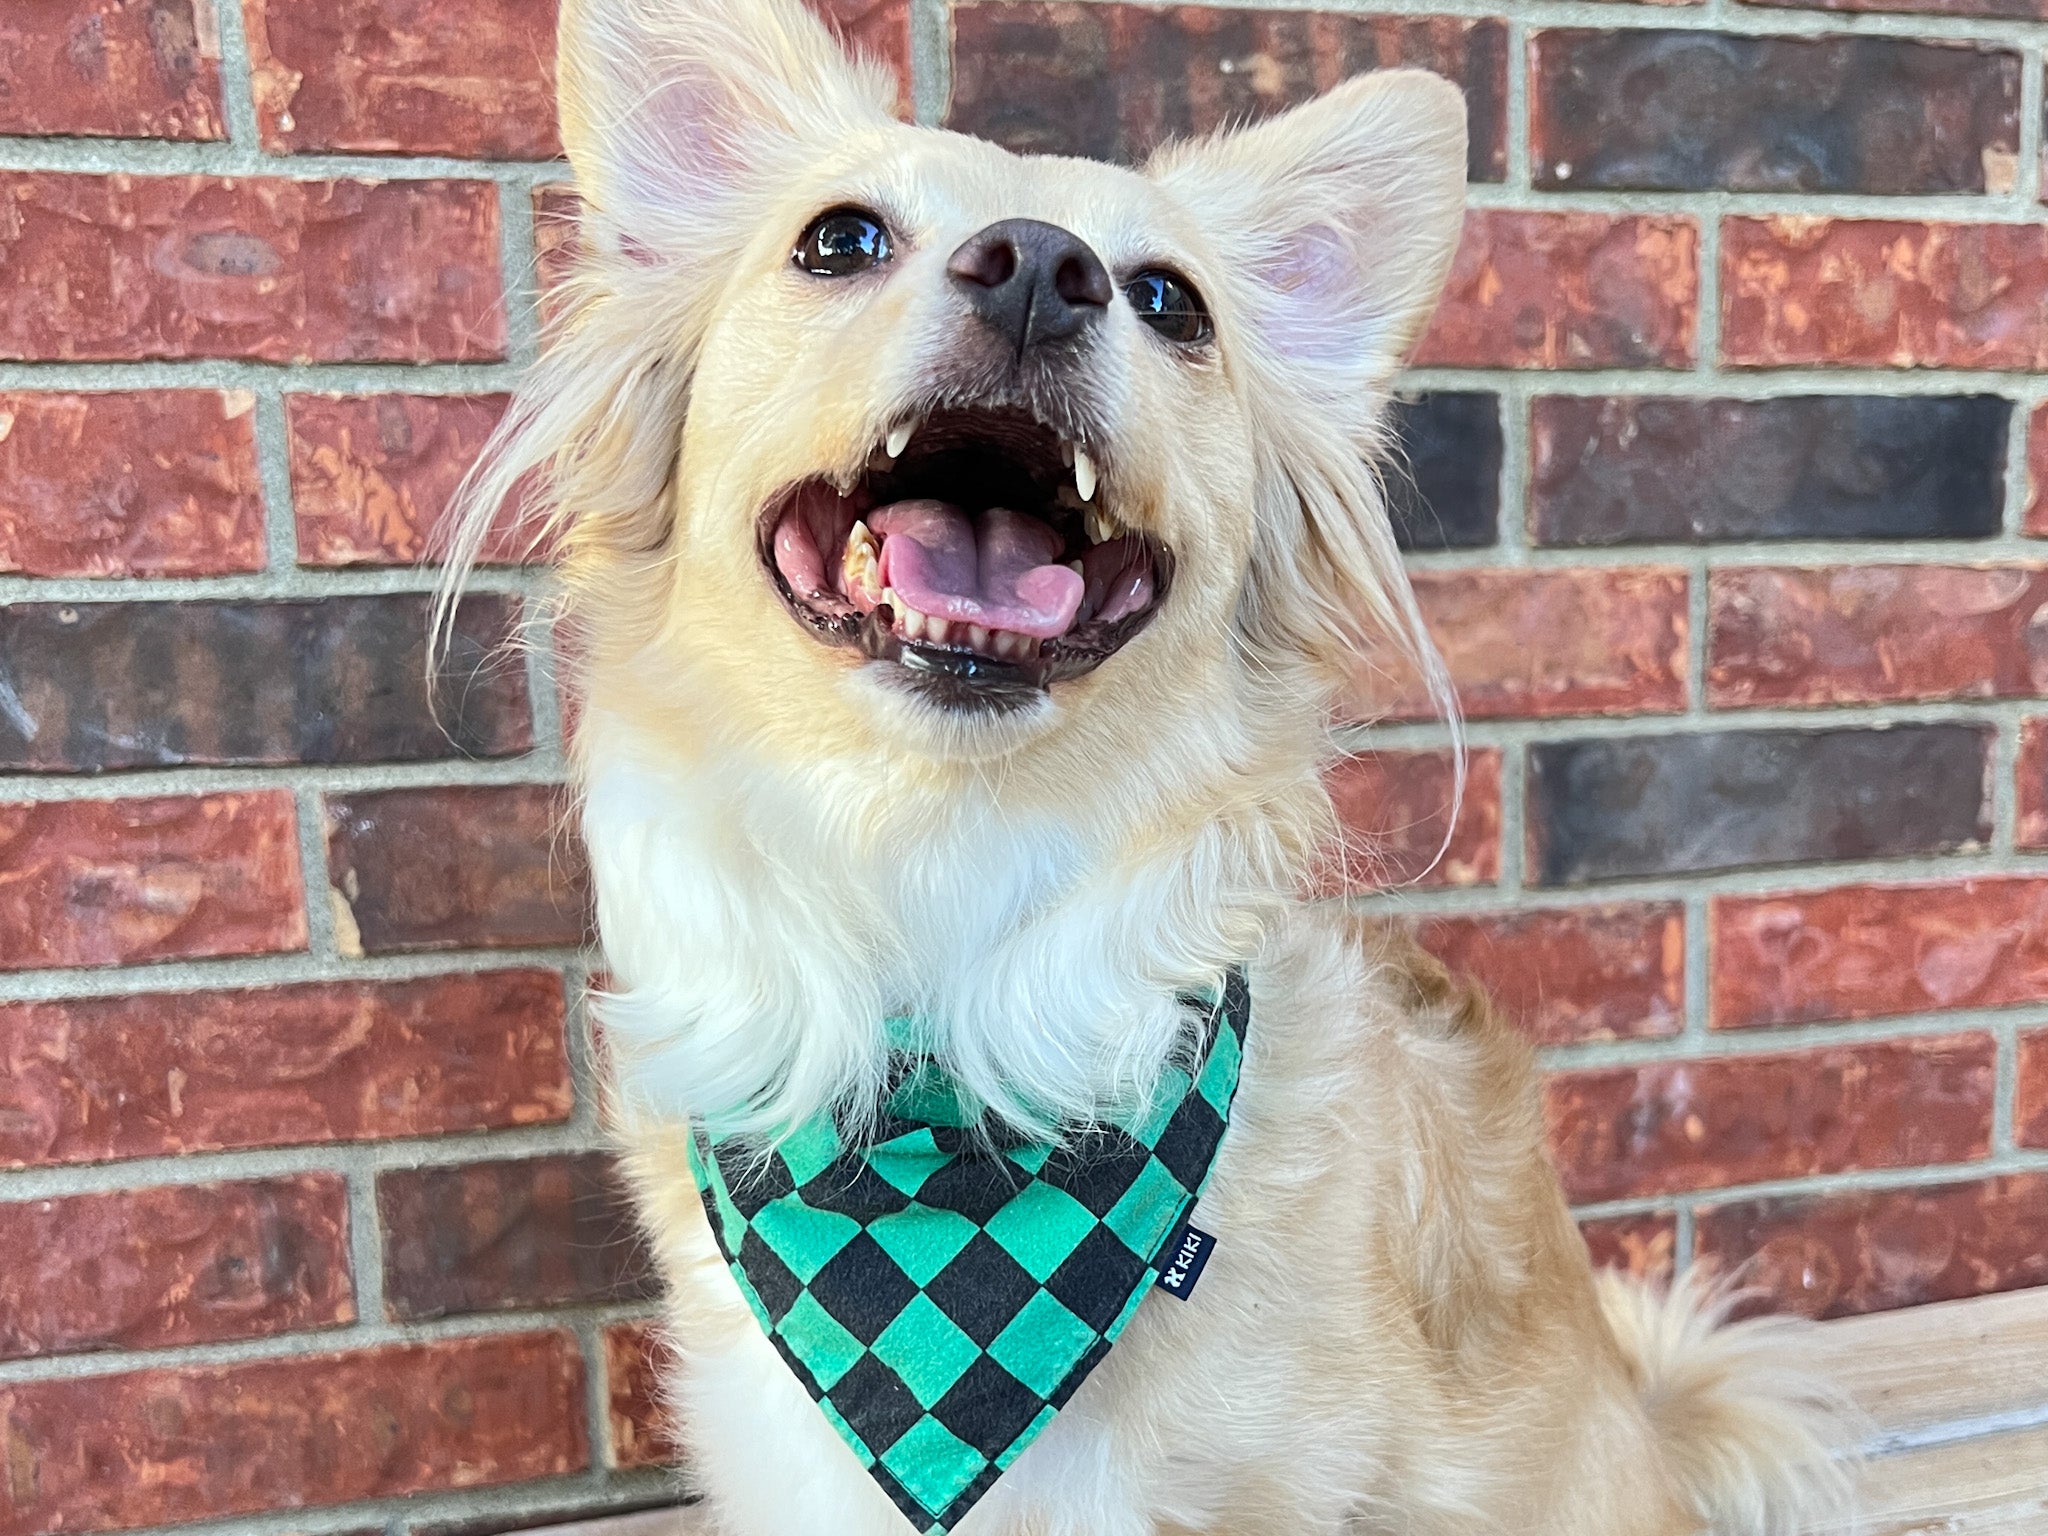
1722, 443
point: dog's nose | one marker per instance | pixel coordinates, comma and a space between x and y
1031, 282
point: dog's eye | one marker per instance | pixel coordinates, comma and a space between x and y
1169, 304
841, 243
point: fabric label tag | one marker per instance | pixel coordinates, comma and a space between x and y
1185, 1260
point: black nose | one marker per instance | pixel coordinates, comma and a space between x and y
1031, 282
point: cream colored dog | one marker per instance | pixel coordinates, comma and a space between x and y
961, 552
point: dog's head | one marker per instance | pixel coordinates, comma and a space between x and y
868, 434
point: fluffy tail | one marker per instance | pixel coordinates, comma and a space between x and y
1757, 1440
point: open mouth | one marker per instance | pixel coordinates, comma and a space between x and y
977, 549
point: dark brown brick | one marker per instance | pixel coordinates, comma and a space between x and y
526, 1232
121, 882
1866, 951
1115, 81
129, 267
1643, 1246
169, 1445
1657, 805
1876, 634
1393, 807
642, 1435
1854, 1251
149, 1074
1573, 973
146, 69
1443, 488
149, 483
184, 1264
457, 867
1568, 290
1689, 111
95, 686
1648, 468
374, 476
1663, 1127
1886, 293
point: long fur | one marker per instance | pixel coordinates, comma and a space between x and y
1399, 1332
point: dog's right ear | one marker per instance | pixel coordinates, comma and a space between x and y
671, 109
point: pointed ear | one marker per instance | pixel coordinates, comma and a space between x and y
1340, 219
671, 108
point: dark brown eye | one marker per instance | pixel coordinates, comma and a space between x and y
843, 242
1169, 304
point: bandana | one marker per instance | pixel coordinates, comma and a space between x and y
941, 1288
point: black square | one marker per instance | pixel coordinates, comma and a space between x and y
873, 1399
982, 1289
769, 1276
1098, 1170
988, 1408
975, 1186
1097, 1279
1189, 1141
852, 1188
753, 1182
862, 1288
918, 1516
1086, 1364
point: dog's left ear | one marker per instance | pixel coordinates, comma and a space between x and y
1340, 219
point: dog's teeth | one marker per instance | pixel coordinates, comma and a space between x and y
1078, 569
913, 622
899, 439
1066, 453
1084, 474
861, 565
977, 637
1068, 498
880, 460
1101, 526
938, 631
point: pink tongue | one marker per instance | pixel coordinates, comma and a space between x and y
997, 570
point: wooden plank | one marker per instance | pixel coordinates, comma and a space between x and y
1950, 1363
1996, 1485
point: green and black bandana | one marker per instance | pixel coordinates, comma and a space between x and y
942, 1288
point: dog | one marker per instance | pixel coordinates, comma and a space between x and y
962, 554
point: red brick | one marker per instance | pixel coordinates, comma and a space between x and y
1865, 951
143, 1075
1531, 643
1643, 1246
156, 483
519, 1232
1857, 1251
126, 267
2030, 1108
117, 882
1876, 633
1574, 973
2031, 770
1393, 807
373, 476
1569, 290
184, 1264
1667, 1126
556, 208
641, 1433
1799, 290
147, 69
2037, 472
447, 868
206, 1442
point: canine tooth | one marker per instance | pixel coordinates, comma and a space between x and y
1084, 474
899, 438
1101, 526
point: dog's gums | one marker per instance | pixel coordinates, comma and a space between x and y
977, 550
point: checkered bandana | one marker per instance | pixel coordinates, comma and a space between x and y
942, 1290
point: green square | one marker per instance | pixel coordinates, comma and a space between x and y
1031, 1432
927, 1349
928, 1096
1150, 1125
1042, 1344
922, 1240
1040, 1227
846, 1432
811, 1149
1219, 1072
1141, 1218
804, 1239
1031, 1157
933, 1463
907, 1161
827, 1350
